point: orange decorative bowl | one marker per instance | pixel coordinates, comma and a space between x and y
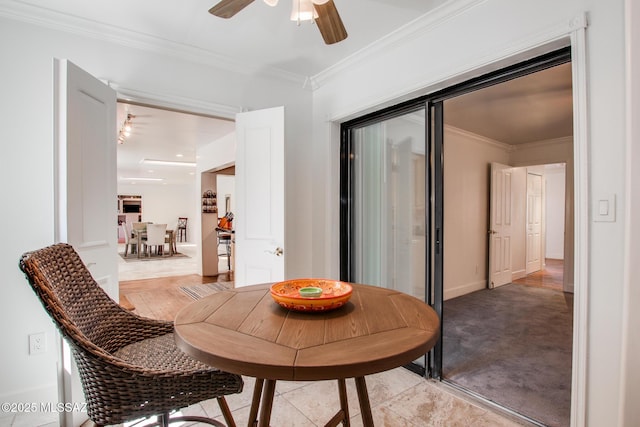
334, 294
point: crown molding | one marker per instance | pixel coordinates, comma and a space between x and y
176, 103
413, 29
47, 18
480, 139
510, 148
544, 143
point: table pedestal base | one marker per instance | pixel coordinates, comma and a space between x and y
265, 390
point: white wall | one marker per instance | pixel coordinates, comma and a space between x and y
466, 205
554, 216
226, 185
482, 37
215, 155
26, 109
467, 159
163, 204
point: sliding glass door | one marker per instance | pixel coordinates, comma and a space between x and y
386, 196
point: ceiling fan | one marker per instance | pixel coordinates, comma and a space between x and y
323, 12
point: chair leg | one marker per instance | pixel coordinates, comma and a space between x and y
226, 412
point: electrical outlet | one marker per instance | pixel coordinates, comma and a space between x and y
37, 343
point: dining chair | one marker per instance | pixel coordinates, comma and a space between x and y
182, 228
155, 238
170, 238
128, 241
130, 367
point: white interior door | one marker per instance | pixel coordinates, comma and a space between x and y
85, 187
259, 217
534, 223
500, 225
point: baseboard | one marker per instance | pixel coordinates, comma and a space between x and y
464, 289
515, 275
44, 394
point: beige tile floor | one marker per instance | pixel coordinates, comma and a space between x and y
398, 397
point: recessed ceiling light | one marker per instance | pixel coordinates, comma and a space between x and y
179, 155
140, 179
167, 163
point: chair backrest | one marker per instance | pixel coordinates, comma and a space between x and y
83, 312
126, 232
139, 226
155, 234
182, 222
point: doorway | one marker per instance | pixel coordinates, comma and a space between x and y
218, 201
156, 161
505, 342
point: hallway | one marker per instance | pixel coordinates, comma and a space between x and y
513, 345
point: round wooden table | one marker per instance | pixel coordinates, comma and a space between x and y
244, 331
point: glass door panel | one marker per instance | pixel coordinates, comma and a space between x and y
388, 179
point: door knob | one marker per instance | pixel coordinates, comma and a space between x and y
277, 252
492, 232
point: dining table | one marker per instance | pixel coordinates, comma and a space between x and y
244, 331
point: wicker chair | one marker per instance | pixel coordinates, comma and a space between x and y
129, 366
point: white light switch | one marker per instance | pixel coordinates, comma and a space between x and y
604, 208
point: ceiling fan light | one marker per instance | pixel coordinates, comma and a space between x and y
303, 10
272, 3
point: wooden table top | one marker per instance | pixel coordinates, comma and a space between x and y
244, 331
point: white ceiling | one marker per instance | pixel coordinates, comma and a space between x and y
532, 108
164, 135
259, 36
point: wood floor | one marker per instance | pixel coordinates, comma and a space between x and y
161, 297
550, 277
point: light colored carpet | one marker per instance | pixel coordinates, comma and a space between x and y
201, 291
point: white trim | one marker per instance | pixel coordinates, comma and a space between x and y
581, 226
48, 18
629, 371
544, 144
413, 29
173, 102
479, 138
553, 38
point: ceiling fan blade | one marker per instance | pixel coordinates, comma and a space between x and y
329, 23
227, 8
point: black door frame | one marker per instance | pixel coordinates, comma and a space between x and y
434, 176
